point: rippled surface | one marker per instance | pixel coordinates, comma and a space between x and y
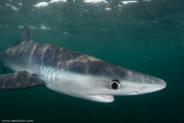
144, 35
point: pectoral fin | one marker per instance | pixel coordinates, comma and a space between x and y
19, 80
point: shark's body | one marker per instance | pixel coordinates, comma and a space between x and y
70, 72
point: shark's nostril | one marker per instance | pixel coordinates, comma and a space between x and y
115, 84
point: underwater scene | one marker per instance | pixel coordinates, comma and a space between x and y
146, 36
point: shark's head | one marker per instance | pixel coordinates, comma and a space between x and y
102, 81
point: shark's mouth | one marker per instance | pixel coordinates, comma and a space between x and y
101, 98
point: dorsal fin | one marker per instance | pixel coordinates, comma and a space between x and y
24, 36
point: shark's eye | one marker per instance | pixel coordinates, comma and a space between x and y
115, 84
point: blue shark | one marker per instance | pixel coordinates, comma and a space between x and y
71, 73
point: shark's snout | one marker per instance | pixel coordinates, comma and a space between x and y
137, 83
158, 85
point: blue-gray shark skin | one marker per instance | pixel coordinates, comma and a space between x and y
70, 72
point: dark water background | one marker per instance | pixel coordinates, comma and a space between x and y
146, 36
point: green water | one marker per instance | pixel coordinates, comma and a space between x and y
145, 36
